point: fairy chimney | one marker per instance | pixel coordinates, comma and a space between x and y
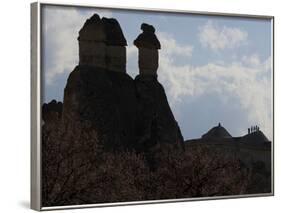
148, 45
115, 46
92, 46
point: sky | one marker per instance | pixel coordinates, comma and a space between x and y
213, 68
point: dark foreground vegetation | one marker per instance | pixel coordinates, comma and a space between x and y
83, 173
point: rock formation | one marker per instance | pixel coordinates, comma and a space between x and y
112, 139
100, 96
52, 111
99, 93
217, 132
104, 113
253, 150
92, 46
156, 123
148, 45
115, 46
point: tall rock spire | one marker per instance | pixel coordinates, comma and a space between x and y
92, 46
102, 44
155, 121
148, 45
115, 46
99, 96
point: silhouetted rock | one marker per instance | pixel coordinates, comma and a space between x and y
52, 111
100, 95
93, 30
124, 113
92, 47
255, 137
113, 138
115, 46
147, 39
113, 31
156, 123
105, 101
102, 44
217, 132
253, 151
148, 45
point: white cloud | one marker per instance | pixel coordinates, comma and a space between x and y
250, 84
60, 32
221, 37
252, 60
171, 48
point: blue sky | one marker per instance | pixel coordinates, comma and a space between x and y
213, 68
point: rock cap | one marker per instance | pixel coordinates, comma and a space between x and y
93, 30
147, 39
113, 31
105, 30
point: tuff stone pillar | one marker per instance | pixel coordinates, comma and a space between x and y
155, 120
92, 43
148, 45
115, 46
